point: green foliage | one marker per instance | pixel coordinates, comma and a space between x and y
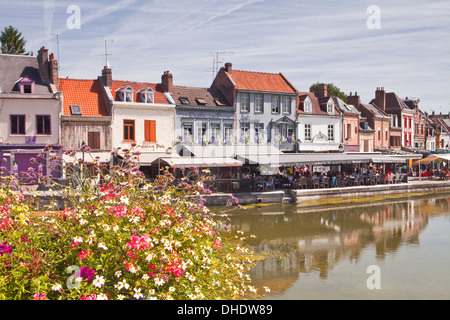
121, 239
12, 41
333, 91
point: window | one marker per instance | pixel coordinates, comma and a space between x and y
331, 132
94, 140
184, 100
228, 133
75, 110
275, 104
215, 132
187, 132
307, 132
259, 103
259, 132
201, 131
128, 130
245, 102
149, 130
201, 101
286, 104
245, 128
307, 106
386, 136
43, 125
349, 131
147, 95
17, 124
126, 94
330, 107
27, 88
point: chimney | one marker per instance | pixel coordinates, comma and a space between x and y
107, 76
44, 67
323, 90
54, 70
229, 67
354, 99
380, 98
167, 81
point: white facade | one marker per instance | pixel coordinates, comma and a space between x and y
319, 133
162, 114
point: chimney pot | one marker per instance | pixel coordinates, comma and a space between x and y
107, 76
229, 67
167, 81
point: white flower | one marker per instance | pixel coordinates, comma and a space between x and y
102, 296
159, 281
138, 293
125, 200
120, 297
102, 245
83, 221
56, 287
132, 269
171, 289
78, 239
99, 281
145, 277
123, 284
118, 274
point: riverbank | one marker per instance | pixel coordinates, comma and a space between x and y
302, 197
313, 197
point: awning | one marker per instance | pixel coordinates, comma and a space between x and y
230, 151
147, 159
187, 162
425, 160
293, 159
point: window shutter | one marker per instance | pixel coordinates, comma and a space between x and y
150, 130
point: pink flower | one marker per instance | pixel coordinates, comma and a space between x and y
91, 297
84, 254
38, 296
216, 244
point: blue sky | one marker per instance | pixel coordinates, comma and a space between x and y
308, 41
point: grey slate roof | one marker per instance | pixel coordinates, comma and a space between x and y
15, 67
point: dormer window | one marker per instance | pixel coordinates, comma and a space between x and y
330, 107
184, 100
308, 106
26, 85
126, 94
147, 95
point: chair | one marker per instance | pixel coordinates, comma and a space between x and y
326, 182
303, 182
315, 182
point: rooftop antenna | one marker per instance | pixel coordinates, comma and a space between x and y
106, 52
217, 61
57, 46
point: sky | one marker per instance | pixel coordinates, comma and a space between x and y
401, 45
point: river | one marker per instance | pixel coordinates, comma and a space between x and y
389, 250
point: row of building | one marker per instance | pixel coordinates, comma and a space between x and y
37, 108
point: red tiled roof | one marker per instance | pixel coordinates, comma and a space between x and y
318, 106
85, 93
136, 86
259, 81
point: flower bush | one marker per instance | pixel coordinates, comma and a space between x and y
120, 238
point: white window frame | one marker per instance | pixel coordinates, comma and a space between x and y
259, 103
275, 104
331, 132
245, 102
147, 95
286, 104
308, 129
126, 94
307, 106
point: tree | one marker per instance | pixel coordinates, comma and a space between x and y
12, 41
333, 91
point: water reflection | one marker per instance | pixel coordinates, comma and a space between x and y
291, 241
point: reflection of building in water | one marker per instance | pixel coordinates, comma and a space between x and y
304, 242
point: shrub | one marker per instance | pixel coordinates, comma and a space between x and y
120, 239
